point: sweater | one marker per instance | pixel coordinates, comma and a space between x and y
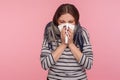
67, 67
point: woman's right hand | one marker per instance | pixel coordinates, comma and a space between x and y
63, 34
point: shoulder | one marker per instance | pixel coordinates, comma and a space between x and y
85, 31
48, 25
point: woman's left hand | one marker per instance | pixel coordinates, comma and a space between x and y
70, 36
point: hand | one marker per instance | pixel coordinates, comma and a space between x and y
70, 37
63, 34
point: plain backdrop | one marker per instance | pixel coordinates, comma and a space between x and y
22, 24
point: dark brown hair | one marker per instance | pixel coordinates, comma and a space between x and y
66, 8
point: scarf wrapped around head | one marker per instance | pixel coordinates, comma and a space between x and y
52, 34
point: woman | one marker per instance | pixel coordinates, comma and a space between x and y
66, 61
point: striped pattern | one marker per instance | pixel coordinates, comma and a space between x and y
67, 67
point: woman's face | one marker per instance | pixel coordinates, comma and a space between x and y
66, 18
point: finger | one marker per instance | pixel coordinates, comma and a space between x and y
70, 34
63, 30
70, 30
63, 33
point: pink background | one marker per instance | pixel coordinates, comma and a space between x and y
22, 24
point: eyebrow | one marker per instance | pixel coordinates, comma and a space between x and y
64, 20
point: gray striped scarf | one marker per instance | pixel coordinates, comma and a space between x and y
52, 34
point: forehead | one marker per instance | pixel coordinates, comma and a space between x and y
66, 17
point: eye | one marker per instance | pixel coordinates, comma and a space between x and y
62, 21
71, 21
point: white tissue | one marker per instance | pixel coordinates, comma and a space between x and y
71, 26
66, 25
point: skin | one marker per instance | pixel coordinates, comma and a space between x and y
67, 18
